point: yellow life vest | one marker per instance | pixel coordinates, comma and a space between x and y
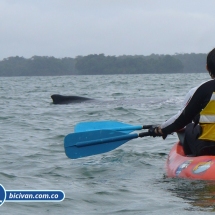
207, 120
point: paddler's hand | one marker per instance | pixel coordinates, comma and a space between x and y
156, 131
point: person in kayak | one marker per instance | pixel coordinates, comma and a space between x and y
197, 117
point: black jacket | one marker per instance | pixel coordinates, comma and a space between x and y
195, 101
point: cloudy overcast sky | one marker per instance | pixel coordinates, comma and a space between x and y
68, 28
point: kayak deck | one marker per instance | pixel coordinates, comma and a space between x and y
199, 168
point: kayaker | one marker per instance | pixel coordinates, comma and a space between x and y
197, 117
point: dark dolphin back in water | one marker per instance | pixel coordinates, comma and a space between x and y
59, 99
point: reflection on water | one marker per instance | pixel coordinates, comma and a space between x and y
195, 192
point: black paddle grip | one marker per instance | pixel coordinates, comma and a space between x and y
144, 134
147, 126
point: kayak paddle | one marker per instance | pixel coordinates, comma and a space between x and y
112, 125
89, 143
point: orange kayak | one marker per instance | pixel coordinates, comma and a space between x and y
199, 168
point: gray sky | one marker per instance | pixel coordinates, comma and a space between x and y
68, 28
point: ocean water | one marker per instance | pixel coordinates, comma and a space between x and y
128, 180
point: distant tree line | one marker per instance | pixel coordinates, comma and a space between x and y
99, 64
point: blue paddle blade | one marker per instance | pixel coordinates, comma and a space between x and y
111, 125
89, 143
